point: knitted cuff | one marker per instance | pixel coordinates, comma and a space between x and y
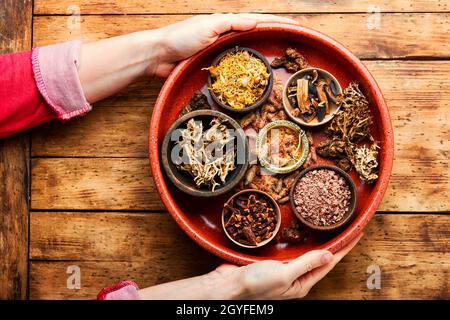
55, 70
124, 290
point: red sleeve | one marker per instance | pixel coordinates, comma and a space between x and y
21, 105
124, 290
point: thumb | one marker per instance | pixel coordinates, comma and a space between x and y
308, 262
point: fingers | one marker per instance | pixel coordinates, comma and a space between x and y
266, 18
310, 279
308, 262
227, 22
343, 252
226, 267
243, 21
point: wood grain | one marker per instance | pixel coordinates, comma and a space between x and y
198, 6
93, 184
104, 132
125, 184
15, 35
411, 250
104, 165
416, 93
398, 35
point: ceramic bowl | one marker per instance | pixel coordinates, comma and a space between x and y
263, 98
182, 179
333, 107
275, 207
351, 208
200, 218
262, 137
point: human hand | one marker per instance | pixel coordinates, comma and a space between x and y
277, 280
261, 280
109, 65
185, 38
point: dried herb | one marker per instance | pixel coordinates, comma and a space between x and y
271, 111
203, 164
239, 79
311, 96
365, 161
350, 126
332, 149
276, 185
250, 219
352, 122
322, 197
293, 233
282, 146
291, 60
197, 102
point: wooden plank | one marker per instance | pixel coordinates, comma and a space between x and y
147, 247
116, 131
15, 35
86, 184
416, 92
418, 186
111, 237
411, 250
399, 35
125, 184
139, 94
105, 132
198, 6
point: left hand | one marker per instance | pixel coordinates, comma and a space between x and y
185, 38
109, 65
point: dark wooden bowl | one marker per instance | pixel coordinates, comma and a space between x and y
275, 207
183, 180
352, 205
263, 98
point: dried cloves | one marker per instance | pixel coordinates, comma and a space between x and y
250, 218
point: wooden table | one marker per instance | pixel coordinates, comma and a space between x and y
81, 193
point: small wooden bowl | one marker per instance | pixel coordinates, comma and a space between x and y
262, 136
352, 205
333, 107
275, 207
263, 98
183, 180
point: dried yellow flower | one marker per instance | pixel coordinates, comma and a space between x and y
239, 79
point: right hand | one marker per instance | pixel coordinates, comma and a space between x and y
277, 280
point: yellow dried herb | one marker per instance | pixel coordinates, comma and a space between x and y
239, 79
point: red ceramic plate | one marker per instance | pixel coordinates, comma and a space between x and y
201, 218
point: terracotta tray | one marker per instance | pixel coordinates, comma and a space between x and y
201, 218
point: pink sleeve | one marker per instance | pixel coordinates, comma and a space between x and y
55, 69
124, 290
39, 86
